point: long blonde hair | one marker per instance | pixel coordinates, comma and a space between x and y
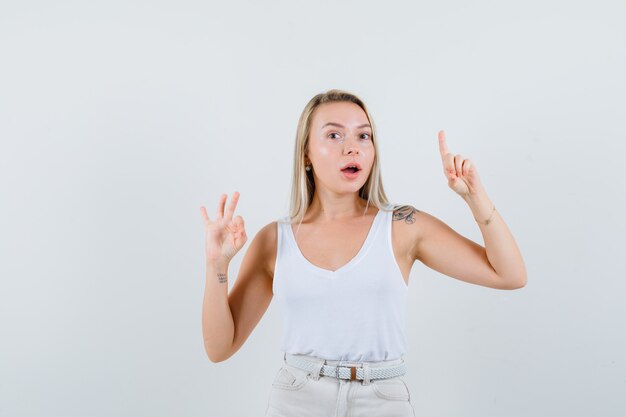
303, 184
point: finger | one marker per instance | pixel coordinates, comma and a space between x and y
466, 166
443, 148
204, 214
231, 206
240, 225
220, 206
458, 164
448, 165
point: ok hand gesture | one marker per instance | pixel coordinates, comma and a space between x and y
224, 235
461, 173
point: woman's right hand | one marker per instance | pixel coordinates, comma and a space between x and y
224, 235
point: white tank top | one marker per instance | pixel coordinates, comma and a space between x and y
356, 313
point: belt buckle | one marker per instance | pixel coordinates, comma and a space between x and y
352, 372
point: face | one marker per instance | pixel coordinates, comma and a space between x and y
340, 134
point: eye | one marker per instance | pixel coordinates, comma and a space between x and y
366, 134
333, 133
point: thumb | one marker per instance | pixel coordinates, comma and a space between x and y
239, 223
240, 235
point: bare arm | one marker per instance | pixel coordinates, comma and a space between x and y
252, 293
500, 249
229, 319
217, 319
497, 265
441, 248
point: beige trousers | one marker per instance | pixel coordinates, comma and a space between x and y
299, 393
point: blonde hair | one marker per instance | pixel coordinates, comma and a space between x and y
303, 184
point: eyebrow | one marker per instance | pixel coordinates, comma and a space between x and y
339, 125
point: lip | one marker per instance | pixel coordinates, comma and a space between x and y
356, 164
349, 175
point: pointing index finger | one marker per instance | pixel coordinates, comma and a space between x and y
443, 148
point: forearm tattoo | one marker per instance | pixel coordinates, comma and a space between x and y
222, 278
405, 213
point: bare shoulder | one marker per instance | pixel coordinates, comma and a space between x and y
406, 214
267, 237
418, 229
408, 228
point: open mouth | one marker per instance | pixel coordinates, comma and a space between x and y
351, 168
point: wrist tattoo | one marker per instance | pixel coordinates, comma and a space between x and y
406, 213
222, 278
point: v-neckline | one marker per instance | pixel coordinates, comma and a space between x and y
351, 262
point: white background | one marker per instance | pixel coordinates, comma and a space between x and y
119, 119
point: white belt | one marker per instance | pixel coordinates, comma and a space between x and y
347, 372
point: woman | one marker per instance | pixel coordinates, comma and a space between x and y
339, 266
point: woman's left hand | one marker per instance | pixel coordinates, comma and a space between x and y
461, 173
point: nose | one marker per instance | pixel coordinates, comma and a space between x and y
350, 147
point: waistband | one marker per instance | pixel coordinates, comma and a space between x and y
365, 371
316, 359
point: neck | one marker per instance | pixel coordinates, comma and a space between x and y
327, 208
